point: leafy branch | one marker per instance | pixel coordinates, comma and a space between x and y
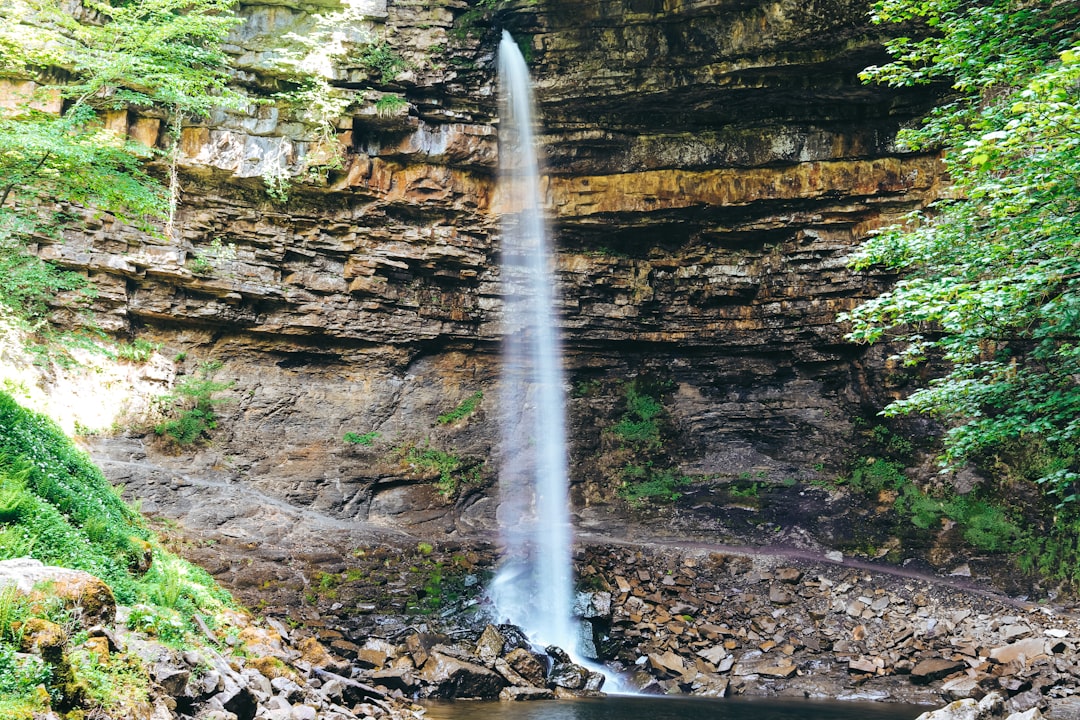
990, 276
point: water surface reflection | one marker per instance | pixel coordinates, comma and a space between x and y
669, 708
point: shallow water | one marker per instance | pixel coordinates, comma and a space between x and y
669, 708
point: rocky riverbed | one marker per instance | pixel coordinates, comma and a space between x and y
693, 620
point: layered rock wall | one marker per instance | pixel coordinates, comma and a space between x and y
709, 165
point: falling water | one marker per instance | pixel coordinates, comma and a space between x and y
533, 588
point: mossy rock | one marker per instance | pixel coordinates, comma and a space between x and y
43, 637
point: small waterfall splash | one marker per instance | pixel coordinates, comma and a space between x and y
533, 588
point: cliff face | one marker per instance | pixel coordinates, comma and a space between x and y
709, 164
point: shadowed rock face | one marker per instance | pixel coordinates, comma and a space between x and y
709, 166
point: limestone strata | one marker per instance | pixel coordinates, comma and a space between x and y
710, 165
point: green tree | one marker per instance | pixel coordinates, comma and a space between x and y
162, 57
990, 275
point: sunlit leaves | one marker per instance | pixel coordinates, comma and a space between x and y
73, 61
990, 278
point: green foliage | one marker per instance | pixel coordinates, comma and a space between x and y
984, 523
192, 404
28, 284
990, 276
390, 104
480, 14
462, 411
365, 439
749, 490
138, 351
645, 483
214, 256
58, 508
380, 61
877, 474
58, 494
63, 512
21, 676
161, 54
640, 425
646, 475
452, 470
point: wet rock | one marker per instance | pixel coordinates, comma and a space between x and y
568, 675
514, 638
490, 645
451, 677
528, 665
515, 693
593, 606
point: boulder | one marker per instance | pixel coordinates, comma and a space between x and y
490, 645
528, 665
593, 605
515, 693
170, 677
450, 677
90, 599
1067, 708
568, 675
667, 663
962, 687
514, 636
967, 709
419, 646
1032, 714
44, 638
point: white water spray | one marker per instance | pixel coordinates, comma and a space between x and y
533, 588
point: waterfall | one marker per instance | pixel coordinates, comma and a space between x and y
533, 587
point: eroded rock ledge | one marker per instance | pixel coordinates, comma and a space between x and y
709, 167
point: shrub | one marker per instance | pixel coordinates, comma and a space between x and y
644, 483
192, 402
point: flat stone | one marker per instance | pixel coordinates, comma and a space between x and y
780, 671
926, 671
1030, 649
862, 665
714, 654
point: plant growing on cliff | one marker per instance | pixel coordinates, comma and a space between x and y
57, 148
453, 471
192, 405
309, 60
645, 474
990, 275
462, 411
365, 439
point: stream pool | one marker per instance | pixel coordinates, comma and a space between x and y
621, 707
